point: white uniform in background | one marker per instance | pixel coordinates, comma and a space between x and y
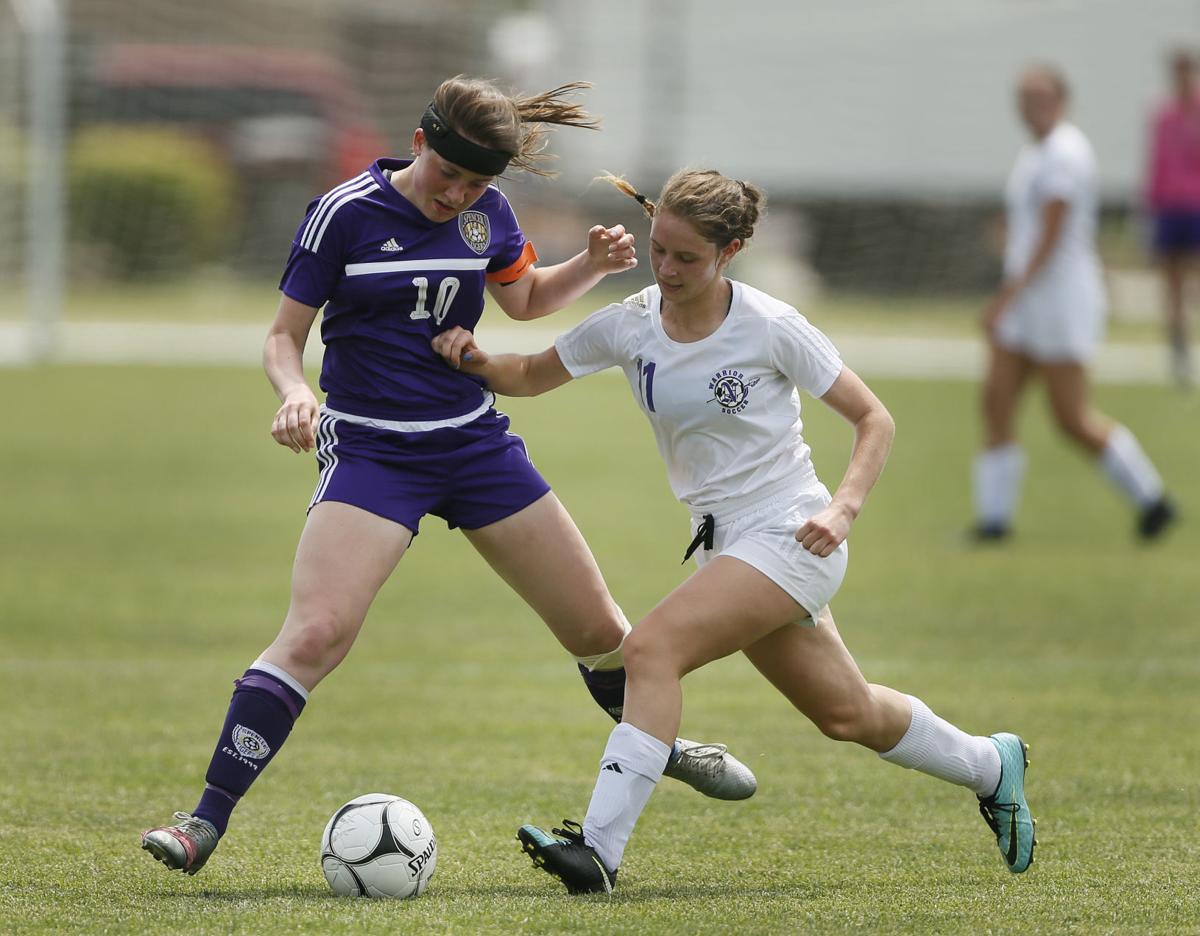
726, 415
1059, 316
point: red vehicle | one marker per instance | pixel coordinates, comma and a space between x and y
291, 123
223, 91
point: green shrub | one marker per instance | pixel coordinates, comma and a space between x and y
146, 202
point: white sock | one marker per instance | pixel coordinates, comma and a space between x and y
934, 746
997, 482
282, 675
1129, 468
629, 770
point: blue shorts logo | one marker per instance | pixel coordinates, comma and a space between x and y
730, 390
475, 230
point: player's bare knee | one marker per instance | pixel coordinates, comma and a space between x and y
639, 649
319, 641
600, 644
1064, 420
845, 720
1076, 429
648, 652
597, 638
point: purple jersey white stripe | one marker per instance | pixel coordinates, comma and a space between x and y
328, 204
389, 280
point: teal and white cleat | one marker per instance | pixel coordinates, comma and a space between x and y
566, 856
185, 846
710, 769
1005, 811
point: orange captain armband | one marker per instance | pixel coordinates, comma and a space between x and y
510, 274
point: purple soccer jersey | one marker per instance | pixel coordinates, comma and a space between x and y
390, 279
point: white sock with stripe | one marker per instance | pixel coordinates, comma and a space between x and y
629, 770
934, 746
1130, 468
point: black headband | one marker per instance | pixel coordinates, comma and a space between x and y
459, 150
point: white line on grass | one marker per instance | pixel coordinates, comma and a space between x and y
171, 344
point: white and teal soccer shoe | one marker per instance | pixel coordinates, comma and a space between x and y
1005, 811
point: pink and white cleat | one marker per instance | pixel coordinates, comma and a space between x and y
185, 846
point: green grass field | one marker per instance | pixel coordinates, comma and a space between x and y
147, 537
218, 297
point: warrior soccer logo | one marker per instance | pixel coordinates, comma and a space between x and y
730, 390
475, 230
250, 743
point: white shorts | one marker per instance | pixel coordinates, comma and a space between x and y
763, 535
1053, 326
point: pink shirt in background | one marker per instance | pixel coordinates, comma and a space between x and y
1173, 180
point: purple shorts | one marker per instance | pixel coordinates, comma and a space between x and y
1177, 232
469, 475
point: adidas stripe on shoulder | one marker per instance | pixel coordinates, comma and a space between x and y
331, 201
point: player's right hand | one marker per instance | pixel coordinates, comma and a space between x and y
457, 346
995, 309
295, 424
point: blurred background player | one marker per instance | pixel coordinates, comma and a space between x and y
396, 255
1172, 194
1048, 317
716, 366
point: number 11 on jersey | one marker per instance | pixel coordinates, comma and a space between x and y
646, 383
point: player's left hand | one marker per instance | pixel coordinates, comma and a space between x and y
824, 532
611, 250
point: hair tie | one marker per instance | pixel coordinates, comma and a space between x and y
639, 198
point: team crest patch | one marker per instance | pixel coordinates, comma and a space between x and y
475, 230
250, 743
730, 390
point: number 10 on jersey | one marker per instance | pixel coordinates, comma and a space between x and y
447, 290
646, 383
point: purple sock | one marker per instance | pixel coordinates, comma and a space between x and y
216, 805
261, 714
607, 688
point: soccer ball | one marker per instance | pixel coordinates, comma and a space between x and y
378, 845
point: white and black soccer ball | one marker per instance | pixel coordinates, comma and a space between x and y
378, 845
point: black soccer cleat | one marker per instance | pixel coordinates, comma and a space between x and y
989, 533
1156, 518
565, 855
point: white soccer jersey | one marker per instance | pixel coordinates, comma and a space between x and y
725, 409
1060, 166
